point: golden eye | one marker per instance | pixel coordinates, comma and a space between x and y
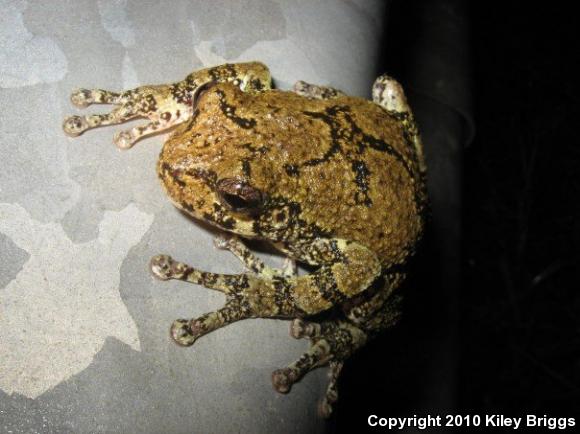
238, 195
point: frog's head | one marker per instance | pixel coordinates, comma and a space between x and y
219, 170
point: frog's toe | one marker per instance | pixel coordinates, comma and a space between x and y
389, 93
182, 332
81, 98
162, 267
123, 140
75, 125
289, 267
303, 329
283, 379
222, 241
331, 396
324, 408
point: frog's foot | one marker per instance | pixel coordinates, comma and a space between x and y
389, 93
313, 91
145, 101
186, 332
277, 296
83, 98
331, 343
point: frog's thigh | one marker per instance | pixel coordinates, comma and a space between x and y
352, 267
314, 91
364, 311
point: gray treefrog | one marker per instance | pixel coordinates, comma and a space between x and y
332, 181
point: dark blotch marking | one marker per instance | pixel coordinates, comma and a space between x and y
247, 167
257, 84
362, 181
229, 111
291, 169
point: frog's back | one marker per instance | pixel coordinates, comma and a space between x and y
357, 173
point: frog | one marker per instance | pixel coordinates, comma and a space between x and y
332, 181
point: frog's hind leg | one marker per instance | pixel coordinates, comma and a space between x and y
331, 343
164, 105
346, 270
314, 91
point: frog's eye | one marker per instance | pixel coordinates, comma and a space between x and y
238, 195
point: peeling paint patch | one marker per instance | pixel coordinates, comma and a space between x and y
114, 18
57, 312
26, 59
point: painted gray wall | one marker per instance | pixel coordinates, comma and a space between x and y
84, 343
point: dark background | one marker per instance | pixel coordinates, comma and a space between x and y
492, 315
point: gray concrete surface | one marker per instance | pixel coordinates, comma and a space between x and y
84, 343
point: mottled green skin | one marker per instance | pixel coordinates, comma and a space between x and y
330, 180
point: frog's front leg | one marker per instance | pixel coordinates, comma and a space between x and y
164, 105
160, 104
